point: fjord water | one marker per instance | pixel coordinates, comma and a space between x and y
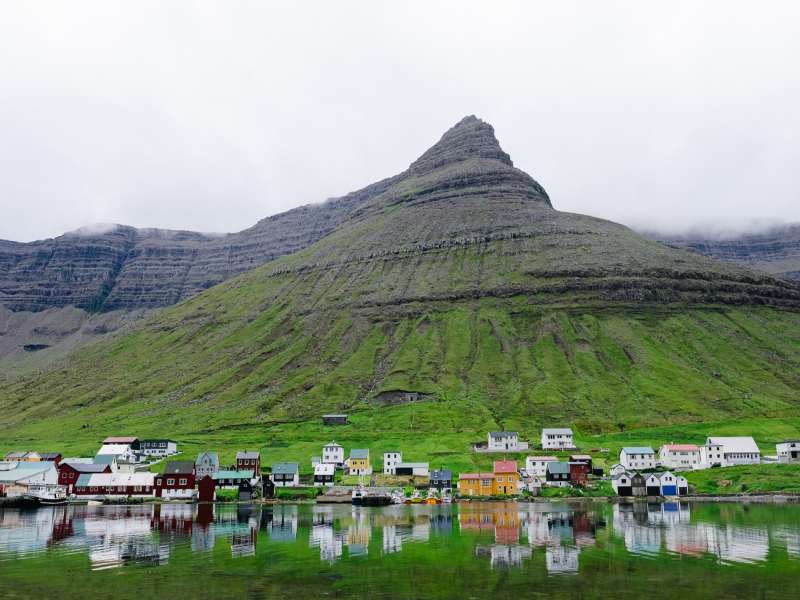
502, 550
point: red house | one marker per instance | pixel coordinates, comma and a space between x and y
177, 481
68, 473
206, 489
249, 460
578, 473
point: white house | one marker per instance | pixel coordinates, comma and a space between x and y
711, 454
390, 461
333, 454
669, 484
557, 438
503, 440
121, 451
207, 464
637, 457
324, 474
680, 456
621, 483
285, 474
788, 450
537, 465
158, 447
616, 469
683, 485
652, 483
738, 450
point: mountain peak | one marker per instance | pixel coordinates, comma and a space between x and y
468, 139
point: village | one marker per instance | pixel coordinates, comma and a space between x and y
129, 469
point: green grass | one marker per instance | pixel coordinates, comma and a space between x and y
767, 478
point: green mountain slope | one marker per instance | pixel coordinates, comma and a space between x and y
461, 283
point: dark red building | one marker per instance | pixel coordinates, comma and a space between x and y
206, 489
249, 460
177, 481
578, 473
68, 473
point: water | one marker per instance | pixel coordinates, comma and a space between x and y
502, 550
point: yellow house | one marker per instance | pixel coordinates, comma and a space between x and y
22, 457
359, 462
475, 484
506, 480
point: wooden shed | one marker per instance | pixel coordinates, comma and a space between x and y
334, 419
206, 489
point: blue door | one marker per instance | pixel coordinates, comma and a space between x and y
669, 490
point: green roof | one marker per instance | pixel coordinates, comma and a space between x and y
558, 467
289, 467
104, 459
212, 455
233, 475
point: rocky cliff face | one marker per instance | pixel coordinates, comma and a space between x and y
776, 251
134, 269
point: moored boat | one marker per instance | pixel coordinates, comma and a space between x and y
45, 494
416, 498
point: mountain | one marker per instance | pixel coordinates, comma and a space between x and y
461, 282
775, 251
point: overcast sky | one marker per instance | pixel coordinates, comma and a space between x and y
211, 116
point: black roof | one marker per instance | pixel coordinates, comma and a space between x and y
151, 441
47, 455
442, 474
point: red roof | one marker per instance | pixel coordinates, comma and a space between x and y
682, 447
505, 466
120, 440
476, 476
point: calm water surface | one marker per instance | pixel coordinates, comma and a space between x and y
504, 550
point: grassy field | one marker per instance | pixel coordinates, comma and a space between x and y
765, 478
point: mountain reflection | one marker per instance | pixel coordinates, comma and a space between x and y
547, 536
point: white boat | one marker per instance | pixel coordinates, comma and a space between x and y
358, 495
446, 499
45, 494
398, 497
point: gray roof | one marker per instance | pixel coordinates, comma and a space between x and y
83, 479
503, 433
617, 476
557, 431
345, 416
359, 453
442, 474
638, 450
558, 467
212, 455
288, 468
179, 467
104, 459
151, 441
50, 455
88, 468
316, 459
332, 445
665, 473
246, 455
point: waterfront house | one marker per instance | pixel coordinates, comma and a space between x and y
679, 456
503, 440
206, 489
232, 479
711, 454
324, 475
637, 457
557, 474
621, 484
333, 454
286, 474
653, 484
54, 457
441, 480
390, 461
476, 484
17, 476
682, 484
537, 465
268, 488
207, 463
245, 491
557, 438
334, 419
638, 485
578, 472
98, 486
359, 462
158, 447
506, 478
22, 457
616, 469
582, 458
737, 450
669, 484
177, 481
788, 450
69, 472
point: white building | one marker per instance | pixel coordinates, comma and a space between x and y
711, 454
503, 440
621, 480
412, 469
324, 475
557, 438
680, 456
788, 450
669, 484
121, 451
16, 479
390, 462
737, 450
207, 464
683, 485
333, 454
537, 465
158, 447
637, 457
653, 484
616, 469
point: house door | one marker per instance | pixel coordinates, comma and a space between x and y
504, 490
506, 446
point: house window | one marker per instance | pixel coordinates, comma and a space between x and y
510, 479
71, 475
182, 482
158, 482
500, 479
170, 482
63, 476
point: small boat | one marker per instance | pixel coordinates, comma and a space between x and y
446, 499
431, 498
415, 498
358, 495
45, 495
398, 497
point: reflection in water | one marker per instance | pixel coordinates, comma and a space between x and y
548, 537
